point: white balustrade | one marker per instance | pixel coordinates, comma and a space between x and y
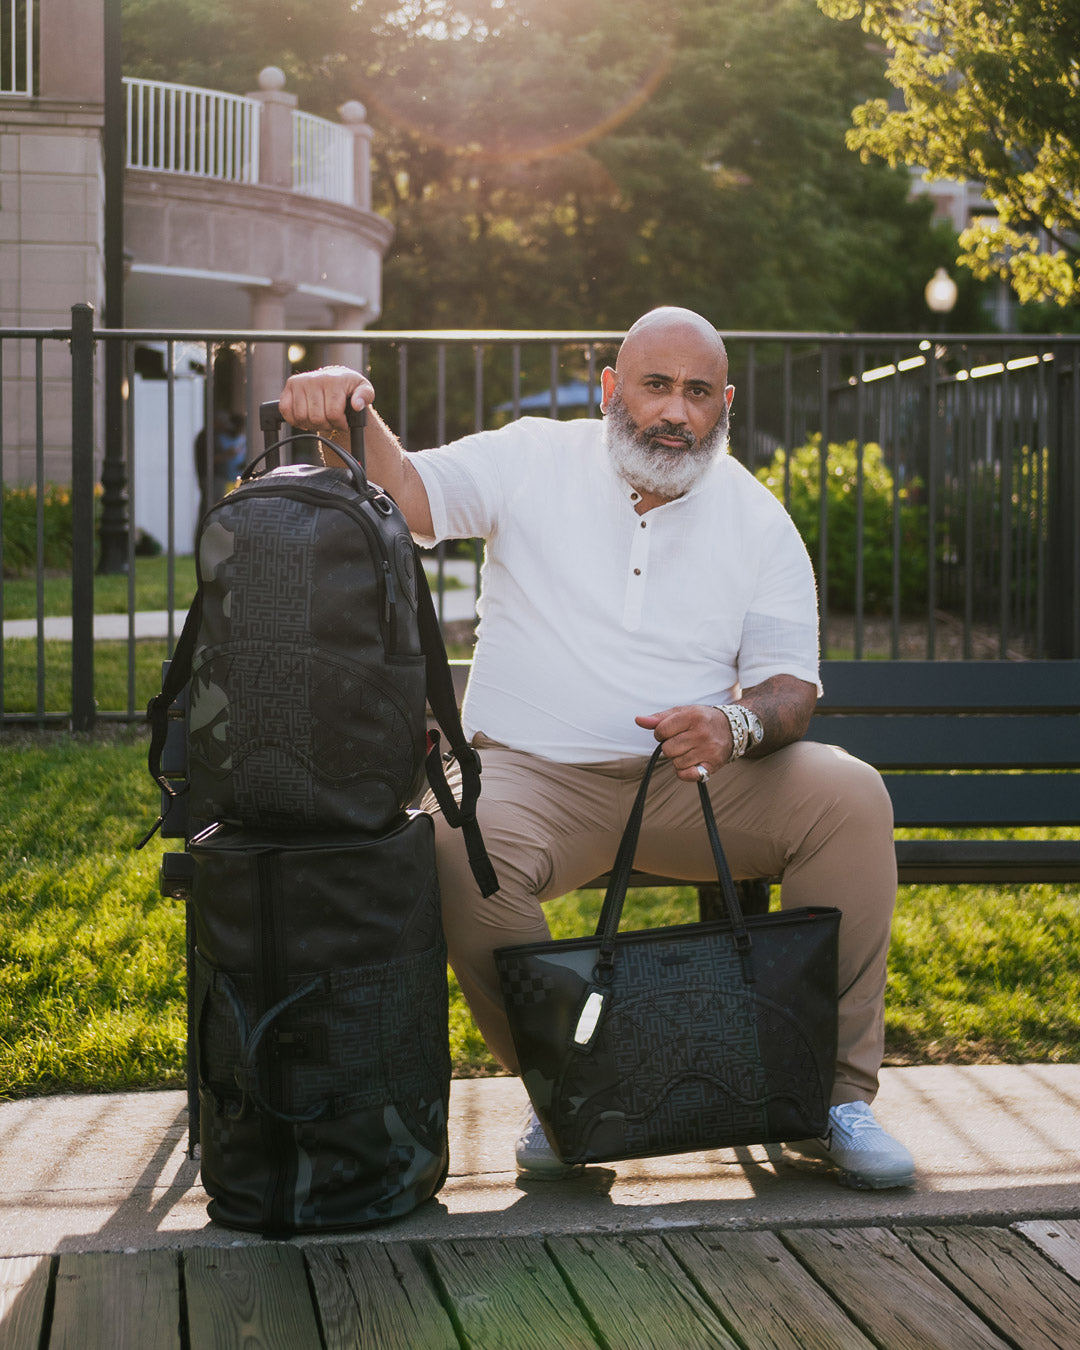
178, 128
323, 159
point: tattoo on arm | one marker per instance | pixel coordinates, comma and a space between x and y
785, 705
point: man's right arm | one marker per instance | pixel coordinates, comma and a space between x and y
315, 401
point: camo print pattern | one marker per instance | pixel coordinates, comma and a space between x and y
355, 928
687, 1054
307, 698
373, 1052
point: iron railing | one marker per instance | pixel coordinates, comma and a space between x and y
942, 515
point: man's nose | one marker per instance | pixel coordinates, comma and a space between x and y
675, 408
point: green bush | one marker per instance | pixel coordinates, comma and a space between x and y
20, 510
842, 524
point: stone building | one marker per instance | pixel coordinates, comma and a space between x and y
239, 213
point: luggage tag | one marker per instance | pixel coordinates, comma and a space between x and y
589, 1018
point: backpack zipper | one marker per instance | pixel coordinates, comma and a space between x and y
269, 990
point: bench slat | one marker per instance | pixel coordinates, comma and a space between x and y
950, 686
954, 742
992, 861
956, 800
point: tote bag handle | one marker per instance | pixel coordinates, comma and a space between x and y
610, 915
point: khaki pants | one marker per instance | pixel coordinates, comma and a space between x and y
809, 813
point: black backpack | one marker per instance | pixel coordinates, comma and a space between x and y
317, 969
309, 652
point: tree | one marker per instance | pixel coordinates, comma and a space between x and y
548, 163
992, 94
568, 171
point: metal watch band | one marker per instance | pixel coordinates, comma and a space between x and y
740, 731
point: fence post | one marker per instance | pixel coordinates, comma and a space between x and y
83, 707
1063, 495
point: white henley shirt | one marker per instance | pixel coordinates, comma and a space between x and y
591, 614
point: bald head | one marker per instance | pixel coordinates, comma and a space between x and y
671, 323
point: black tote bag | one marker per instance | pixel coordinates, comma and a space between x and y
671, 1040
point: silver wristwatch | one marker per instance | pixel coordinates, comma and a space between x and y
746, 728
753, 726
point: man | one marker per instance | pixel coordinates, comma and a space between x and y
640, 586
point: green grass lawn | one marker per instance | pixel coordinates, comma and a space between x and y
118, 674
123, 679
111, 593
92, 959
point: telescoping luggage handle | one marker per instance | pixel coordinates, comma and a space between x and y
271, 420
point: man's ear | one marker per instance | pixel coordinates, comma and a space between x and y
608, 381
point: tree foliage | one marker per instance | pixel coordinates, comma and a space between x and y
859, 487
548, 163
991, 93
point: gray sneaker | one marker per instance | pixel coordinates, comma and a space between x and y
536, 1158
864, 1156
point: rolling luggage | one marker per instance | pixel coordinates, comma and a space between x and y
320, 1023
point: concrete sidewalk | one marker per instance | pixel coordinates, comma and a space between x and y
994, 1143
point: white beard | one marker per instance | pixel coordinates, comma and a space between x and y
657, 469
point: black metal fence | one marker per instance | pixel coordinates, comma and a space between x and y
936, 480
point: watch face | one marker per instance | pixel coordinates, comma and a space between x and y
757, 731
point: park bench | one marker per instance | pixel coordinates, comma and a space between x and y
962, 746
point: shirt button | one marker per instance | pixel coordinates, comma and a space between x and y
637, 571
644, 523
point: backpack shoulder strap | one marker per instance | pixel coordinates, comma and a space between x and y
440, 694
178, 674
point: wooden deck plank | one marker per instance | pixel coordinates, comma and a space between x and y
249, 1297
896, 1299
1006, 1281
507, 1295
117, 1301
378, 1295
1059, 1240
24, 1284
637, 1294
763, 1292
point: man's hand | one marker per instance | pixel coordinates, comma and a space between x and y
695, 734
691, 735
315, 400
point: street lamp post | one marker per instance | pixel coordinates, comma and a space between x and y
114, 500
